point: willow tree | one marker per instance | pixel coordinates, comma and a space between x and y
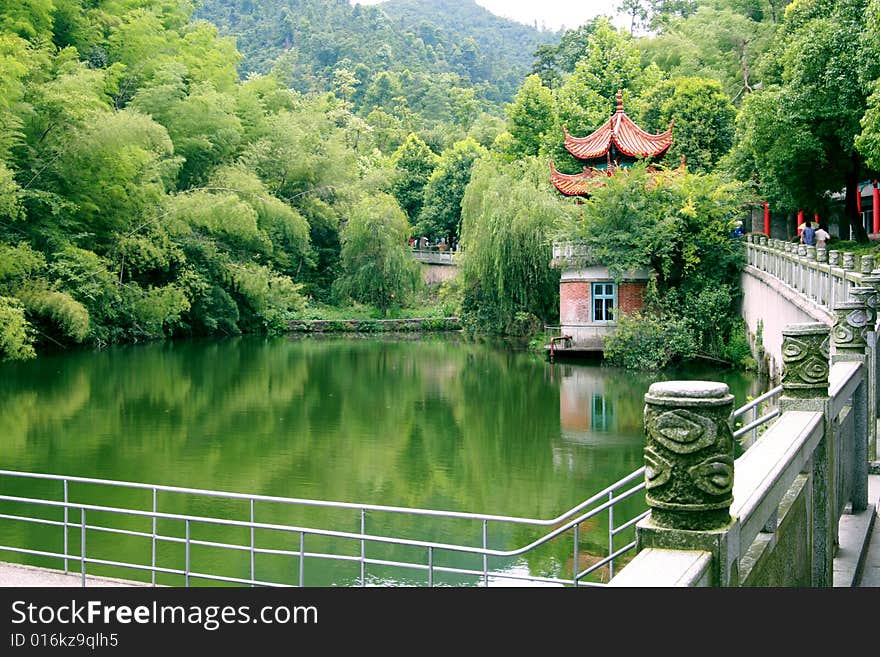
377, 266
508, 214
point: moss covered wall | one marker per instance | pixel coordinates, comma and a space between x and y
783, 559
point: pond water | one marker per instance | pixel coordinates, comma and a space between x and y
434, 422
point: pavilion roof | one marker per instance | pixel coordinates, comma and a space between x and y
578, 184
622, 131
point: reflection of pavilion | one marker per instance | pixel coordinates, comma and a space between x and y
587, 414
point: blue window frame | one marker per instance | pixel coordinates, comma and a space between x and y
604, 301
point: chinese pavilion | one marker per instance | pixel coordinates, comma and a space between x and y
617, 142
589, 297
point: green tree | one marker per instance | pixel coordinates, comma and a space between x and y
413, 163
508, 215
797, 135
531, 118
203, 124
16, 340
377, 267
441, 212
714, 42
704, 120
116, 173
868, 141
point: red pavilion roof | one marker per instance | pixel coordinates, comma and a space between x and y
622, 131
578, 184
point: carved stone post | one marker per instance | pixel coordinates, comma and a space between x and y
821, 254
811, 252
834, 258
851, 340
849, 261
866, 295
850, 330
873, 280
689, 454
866, 264
805, 372
805, 362
689, 473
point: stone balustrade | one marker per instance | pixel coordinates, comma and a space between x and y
824, 277
770, 517
572, 255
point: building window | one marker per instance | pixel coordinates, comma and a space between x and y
604, 301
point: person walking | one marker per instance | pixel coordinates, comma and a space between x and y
822, 236
808, 234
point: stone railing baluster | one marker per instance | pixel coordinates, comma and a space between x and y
689, 473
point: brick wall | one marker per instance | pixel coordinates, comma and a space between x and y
574, 302
631, 296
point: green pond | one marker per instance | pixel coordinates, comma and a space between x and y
435, 422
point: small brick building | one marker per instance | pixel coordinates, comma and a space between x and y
589, 298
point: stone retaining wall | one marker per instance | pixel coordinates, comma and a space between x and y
418, 324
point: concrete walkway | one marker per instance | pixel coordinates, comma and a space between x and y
17, 575
870, 571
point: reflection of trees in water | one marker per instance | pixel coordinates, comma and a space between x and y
429, 423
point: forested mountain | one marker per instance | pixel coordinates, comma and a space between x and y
309, 40
148, 189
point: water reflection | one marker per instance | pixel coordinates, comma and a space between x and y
434, 423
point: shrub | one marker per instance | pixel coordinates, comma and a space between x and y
649, 342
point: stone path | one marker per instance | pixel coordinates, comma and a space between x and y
870, 575
17, 575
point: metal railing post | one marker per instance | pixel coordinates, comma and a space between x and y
302, 558
82, 546
430, 567
186, 568
575, 557
755, 419
363, 547
485, 556
253, 567
66, 500
153, 556
611, 534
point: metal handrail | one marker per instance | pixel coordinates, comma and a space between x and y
568, 521
571, 518
461, 515
395, 540
754, 406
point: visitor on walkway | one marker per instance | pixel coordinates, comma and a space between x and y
822, 236
808, 234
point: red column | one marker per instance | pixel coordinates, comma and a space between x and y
859, 199
876, 208
766, 218
800, 220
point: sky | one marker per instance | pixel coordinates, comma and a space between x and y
551, 14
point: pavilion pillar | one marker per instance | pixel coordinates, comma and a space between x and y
876, 199
766, 218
